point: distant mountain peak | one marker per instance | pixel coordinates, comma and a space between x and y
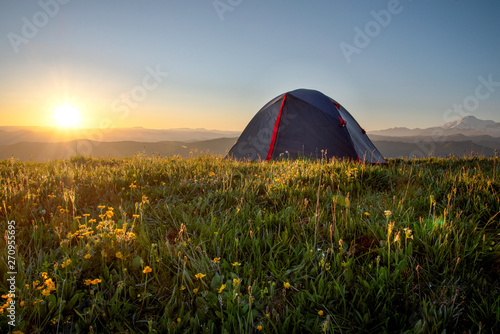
469, 122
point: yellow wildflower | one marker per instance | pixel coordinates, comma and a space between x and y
199, 276
183, 287
119, 255
259, 327
235, 264
178, 319
46, 292
50, 284
195, 290
216, 259
222, 287
320, 312
147, 270
286, 285
88, 256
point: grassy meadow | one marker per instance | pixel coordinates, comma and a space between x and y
207, 245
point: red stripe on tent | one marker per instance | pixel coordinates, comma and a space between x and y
275, 131
337, 105
343, 123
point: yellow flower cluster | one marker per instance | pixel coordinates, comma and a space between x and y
50, 286
93, 282
66, 263
199, 276
7, 303
47, 286
105, 232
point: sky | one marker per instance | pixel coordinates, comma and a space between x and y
214, 64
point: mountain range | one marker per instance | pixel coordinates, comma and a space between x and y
462, 137
467, 126
466, 136
17, 134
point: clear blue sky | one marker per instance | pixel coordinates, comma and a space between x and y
224, 64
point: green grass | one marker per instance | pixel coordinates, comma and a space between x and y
290, 246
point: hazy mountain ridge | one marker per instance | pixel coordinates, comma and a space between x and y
421, 149
464, 137
468, 126
50, 151
14, 134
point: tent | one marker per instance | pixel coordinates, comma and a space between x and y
304, 123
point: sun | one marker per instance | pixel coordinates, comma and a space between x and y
67, 116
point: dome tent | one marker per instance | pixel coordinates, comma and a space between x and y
304, 123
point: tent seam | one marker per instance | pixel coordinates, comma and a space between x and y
275, 130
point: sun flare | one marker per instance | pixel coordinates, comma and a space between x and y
67, 116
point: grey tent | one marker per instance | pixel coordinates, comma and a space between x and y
304, 123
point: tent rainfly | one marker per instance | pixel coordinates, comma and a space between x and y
304, 123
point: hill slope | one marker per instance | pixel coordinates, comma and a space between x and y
51, 151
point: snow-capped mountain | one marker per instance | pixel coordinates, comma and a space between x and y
467, 126
470, 123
